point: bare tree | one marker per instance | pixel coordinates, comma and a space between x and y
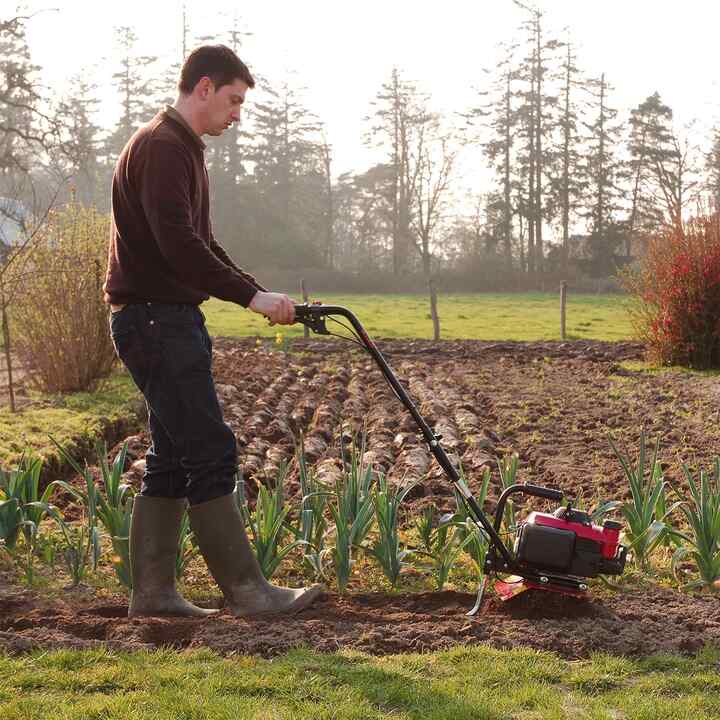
398, 116
677, 182
433, 158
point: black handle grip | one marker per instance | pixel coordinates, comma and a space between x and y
543, 492
301, 312
308, 311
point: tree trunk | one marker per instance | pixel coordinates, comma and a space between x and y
566, 169
600, 222
6, 342
539, 250
507, 217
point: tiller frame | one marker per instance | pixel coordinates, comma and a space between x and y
554, 552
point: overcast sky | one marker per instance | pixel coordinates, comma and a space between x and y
343, 51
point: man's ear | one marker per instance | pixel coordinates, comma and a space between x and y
203, 87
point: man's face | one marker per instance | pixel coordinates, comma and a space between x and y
222, 107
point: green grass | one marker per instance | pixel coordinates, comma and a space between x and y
528, 316
74, 420
461, 684
647, 367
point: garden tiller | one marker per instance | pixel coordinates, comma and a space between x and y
555, 551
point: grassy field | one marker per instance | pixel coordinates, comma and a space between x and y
462, 684
528, 316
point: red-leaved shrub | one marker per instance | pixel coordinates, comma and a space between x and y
677, 294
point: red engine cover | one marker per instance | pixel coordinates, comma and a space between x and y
607, 537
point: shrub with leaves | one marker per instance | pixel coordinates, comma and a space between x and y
677, 294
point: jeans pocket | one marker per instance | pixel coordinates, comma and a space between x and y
137, 353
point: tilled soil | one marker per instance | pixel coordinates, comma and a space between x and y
635, 623
552, 403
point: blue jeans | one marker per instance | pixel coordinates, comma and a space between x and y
168, 352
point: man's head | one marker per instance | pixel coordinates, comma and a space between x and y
214, 81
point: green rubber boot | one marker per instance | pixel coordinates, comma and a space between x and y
154, 534
220, 533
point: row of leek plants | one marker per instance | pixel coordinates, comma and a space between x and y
105, 513
358, 514
661, 515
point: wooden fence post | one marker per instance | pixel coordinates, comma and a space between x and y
306, 330
563, 300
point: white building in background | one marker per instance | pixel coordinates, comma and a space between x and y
12, 223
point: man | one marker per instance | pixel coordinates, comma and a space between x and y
164, 262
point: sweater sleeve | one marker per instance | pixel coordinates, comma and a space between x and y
221, 253
165, 197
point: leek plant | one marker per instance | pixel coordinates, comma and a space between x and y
23, 505
702, 513
508, 468
267, 523
467, 527
312, 524
82, 546
10, 522
386, 549
424, 526
351, 507
111, 505
22, 510
353, 490
646, 513
186, 546
442, 544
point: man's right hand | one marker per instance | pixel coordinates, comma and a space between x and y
278, 308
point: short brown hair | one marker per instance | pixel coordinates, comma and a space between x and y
218, 62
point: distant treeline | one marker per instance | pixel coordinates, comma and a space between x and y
577, 187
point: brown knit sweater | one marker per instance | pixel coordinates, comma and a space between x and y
162, 247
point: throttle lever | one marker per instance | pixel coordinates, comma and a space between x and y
315, 321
